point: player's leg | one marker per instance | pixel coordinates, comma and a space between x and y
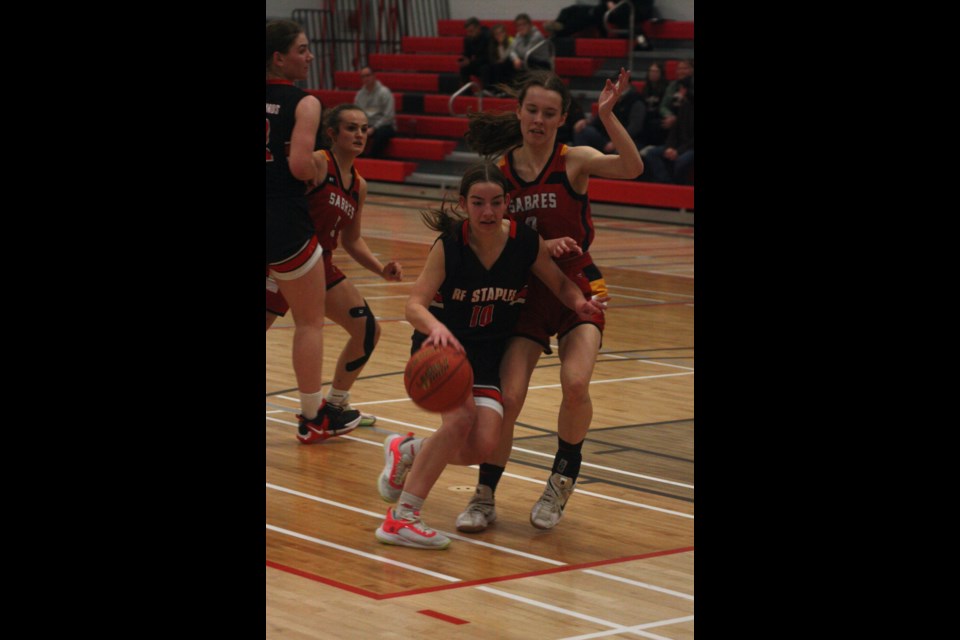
347, 308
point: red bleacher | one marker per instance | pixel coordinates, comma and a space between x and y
332, 97
455, 27
420, 149
649, 194
415, 62
669, 30
423, 82
601, 47
426, 44
435, 126
464, 104
385, 170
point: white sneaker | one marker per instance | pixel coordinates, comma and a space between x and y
396, 465
480, 511
548, 510
410, 532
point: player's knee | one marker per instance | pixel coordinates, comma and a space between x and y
364, 328
576, 391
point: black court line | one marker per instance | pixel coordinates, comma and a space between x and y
539, 366
591, 479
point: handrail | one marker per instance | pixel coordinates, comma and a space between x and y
630, 32
462, 89
552, 57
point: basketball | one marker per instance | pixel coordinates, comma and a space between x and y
438, 379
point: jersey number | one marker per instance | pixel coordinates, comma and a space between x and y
532, 222
481, 316
269, 155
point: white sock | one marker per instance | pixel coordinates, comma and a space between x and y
310, 404
407, 504
337, 397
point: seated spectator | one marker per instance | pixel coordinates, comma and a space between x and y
478, 53
528, 37
377, 102
619, 20
670, 103
630, 110
503, 70
672, 161
579, 20
654, 89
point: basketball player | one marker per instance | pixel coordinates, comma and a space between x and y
336, 206
292, 251
548, 192
468, 296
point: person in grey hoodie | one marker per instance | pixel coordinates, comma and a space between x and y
377, 102
528, 36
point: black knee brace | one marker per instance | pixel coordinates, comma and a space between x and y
368, 336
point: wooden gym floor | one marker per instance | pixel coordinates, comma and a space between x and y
621, 562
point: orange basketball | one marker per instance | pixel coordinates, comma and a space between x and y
438, 379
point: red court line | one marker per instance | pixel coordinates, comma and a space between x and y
473, 583
442, 616
327, 581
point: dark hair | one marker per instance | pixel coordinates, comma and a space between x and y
471, 22
523, 16
331, 120
445, 220
280, 37
493, 132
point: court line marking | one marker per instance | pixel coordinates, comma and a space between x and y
636, 583
616, 627
550, 607
558, 565
526, 478
638, 629
666, 293
363, 554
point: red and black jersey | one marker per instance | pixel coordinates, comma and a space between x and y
477, 304
334, 204
548, 203
282, 100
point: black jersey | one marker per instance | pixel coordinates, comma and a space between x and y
481, 305
282, 100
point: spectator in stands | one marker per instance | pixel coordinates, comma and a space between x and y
672, 161
478, 53
503, 71
670, 103
580, 19
527, 40
654, 89
630, 111
377, 102
619, 20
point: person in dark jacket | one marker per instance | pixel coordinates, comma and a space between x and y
672, 161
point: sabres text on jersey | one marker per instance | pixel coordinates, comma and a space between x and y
342, 204
531, 201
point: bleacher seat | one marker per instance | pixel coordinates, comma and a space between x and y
425, 82
464, 104
433, 126
426, 44
420, 149
385, 170
455, 27
649, 194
